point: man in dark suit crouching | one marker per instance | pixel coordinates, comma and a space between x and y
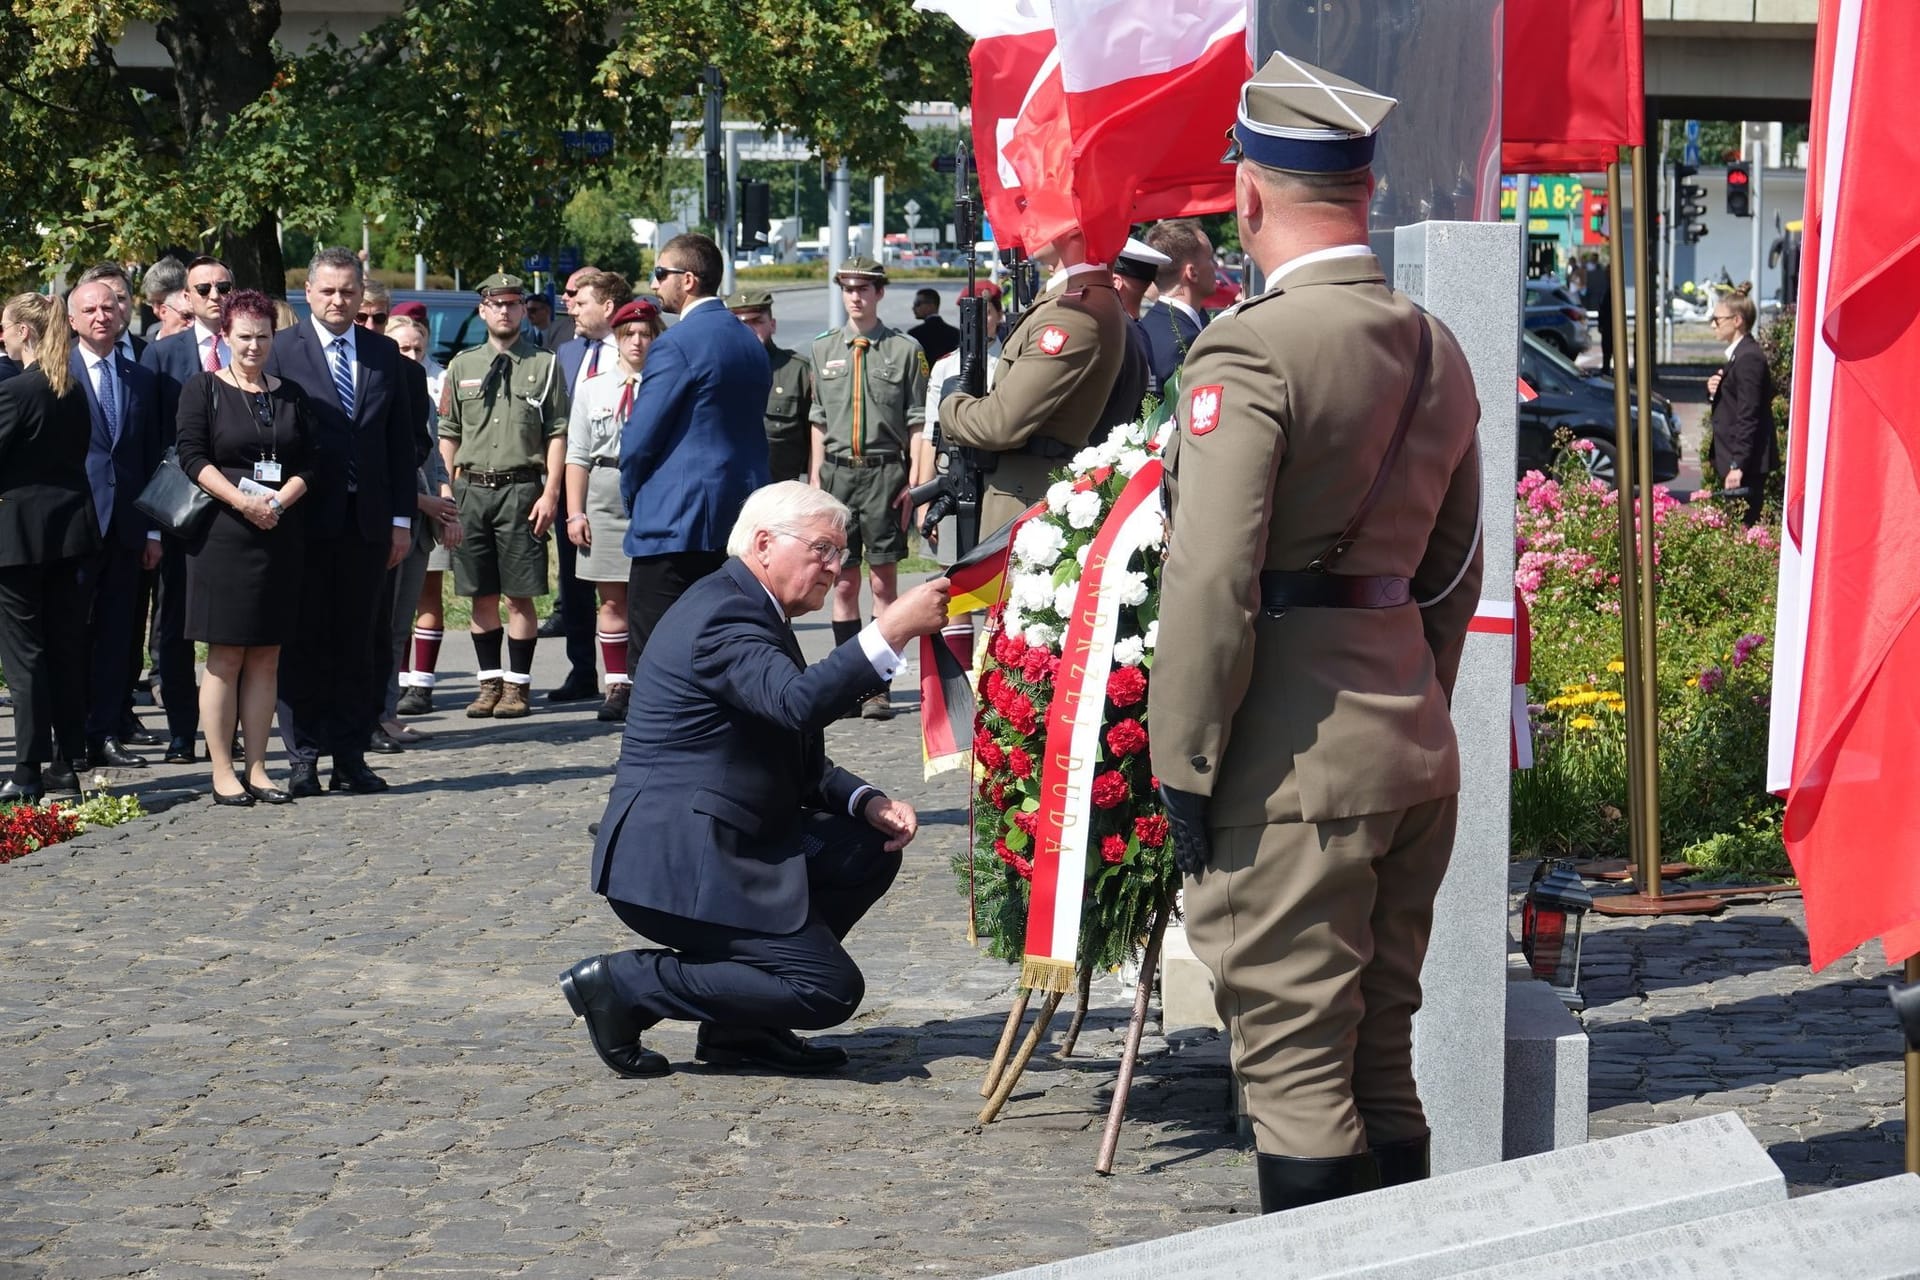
751, 892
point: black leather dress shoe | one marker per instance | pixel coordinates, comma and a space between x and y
135, 734
107, 753
267, 795
18, 792
611, 1026
552, 626
765, 1047
354, 776
179, 751
61, 780
384, 743
303, 780
242, 801
573, 690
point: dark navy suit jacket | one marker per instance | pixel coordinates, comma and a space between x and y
695, 444
724, 752
384, 438
1162, 324
174, 360
135, 454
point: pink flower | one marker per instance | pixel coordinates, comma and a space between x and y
1711, 679
1743, 647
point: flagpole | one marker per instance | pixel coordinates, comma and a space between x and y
1913, 1085
1649, 688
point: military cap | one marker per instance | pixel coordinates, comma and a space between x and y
1296, 117
861, 269
982, 289
750, 300
1140, 261
637, 311
501, 282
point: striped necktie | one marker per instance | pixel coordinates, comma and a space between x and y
593, 360
109, 403
343, 374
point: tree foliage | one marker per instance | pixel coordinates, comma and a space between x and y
462, 118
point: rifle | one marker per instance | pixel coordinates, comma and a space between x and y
960, 470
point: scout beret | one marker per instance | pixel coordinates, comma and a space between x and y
411, 310
860, 269
501, 282
983, 289
750, 300
638, 311
1296, 117
1140, 261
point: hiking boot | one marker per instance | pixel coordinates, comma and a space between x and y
513, 702
490, 693
614, 709
416, 700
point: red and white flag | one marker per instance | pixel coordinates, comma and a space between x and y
1845, 747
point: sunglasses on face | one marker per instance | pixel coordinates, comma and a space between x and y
222, 287
371, 317
661, 273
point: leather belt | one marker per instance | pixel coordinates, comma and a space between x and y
500, 479
1281, 590
1046, 447
606, 462
865, 460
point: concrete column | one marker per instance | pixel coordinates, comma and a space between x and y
837, 196
879, 219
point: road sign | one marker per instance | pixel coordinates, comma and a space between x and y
536, 262
1692, 151
567, 261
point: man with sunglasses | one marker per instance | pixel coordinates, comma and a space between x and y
695, 444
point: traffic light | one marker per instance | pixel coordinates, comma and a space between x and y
1688, 203
756, 206
1740, 190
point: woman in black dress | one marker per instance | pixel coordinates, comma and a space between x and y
243, 437
47, 535
1745, 450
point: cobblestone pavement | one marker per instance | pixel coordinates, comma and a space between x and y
325, 1041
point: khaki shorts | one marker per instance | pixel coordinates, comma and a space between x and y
873, 533
499, 556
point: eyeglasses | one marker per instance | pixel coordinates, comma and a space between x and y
223, 287
569, 292
661, 273
1719, 319
823, 551
371, 318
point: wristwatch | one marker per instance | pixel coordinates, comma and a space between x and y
275, 504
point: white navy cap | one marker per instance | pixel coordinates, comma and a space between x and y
1140, 260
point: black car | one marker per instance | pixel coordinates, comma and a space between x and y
1580, 405
1554, 315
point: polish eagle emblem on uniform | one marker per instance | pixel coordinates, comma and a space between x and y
1053, 340
1203, 410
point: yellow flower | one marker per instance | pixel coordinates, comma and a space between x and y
1557, 704
1574, 688
1616, 666
1693, 682
1585, 722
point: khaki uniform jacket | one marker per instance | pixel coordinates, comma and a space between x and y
503, 428
1053, 381
789, 409
893, 404
1286, 409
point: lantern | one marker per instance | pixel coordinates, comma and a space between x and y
1550, 922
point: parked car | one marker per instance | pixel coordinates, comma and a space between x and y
1555, 315
1226, 289
453, 317
1568, 400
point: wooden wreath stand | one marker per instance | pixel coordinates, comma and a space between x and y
1004, 1074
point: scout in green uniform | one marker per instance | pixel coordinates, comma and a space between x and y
869, 402
503, 436
1314, 605
789, 404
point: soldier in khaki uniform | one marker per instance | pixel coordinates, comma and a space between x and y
503, 436
790, 403
1300, 694
1055, 375
869, 403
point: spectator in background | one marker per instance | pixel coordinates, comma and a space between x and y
539, 318
1185, 283
245, 436
47, 537
1598, 298
562, 327
376, 301
1745, 450
935, 336
596, 521
114, 276
408, 328
945, 379
284, 316
163, 280
790, 403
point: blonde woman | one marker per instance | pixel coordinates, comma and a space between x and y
1741, 392
596, 523
47, 535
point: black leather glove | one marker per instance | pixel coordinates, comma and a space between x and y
1187, 815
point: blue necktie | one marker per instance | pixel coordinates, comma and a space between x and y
109, 406
593, 362
343, 374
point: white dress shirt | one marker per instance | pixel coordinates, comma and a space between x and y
202, 336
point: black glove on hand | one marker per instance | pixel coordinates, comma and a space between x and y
1187, 815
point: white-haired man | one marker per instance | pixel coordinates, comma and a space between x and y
783, 851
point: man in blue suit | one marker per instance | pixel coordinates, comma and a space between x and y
783, 851
124, 402
1186, 282
695, 444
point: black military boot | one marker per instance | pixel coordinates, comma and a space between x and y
1288, 1182
1409, 1160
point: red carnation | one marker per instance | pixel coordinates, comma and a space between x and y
1126, 686
1019, 763
1113, 848
1010, 649
1020, 713
1152, 831
1026, 821
998, 797
991, 686
988, 752
1034, 665
1021, 866
1109, 789
1126, 737
1154, 782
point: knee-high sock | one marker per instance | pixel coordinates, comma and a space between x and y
845, 631
486, 652
520, 659
613, 656
426, 657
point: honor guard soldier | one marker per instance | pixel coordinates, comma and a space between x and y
1134, 270
869, 402
503, 436
790, 403
1051, 386
1322, 568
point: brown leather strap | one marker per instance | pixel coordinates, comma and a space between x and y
1422, 362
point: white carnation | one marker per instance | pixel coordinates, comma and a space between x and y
1063, 597
1039, 544
1128, 652
1130, 461
1013, 621
1153, 634
1132, 588
1032, 592
1081, 554
1091, 458
1083, 510
1131, 435
1153, 532
1043, 635
1058, 495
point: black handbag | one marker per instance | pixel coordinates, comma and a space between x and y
178, 505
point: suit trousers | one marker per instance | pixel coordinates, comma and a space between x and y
801, 981
173, 655
43, 650
579, 613
113, 663
653, 584
333, 669
1315, 934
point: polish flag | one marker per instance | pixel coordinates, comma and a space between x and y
1845, 748
1013, 56
1572, 94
